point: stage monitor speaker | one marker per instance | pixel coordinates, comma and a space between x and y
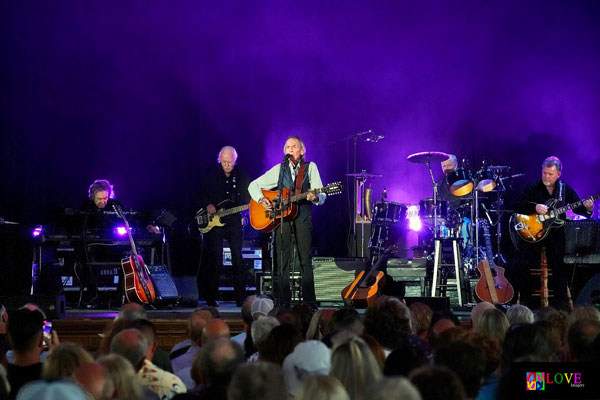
187, 289
582, 237
590, 293
331, 275
441, 304
163, 283
53, 306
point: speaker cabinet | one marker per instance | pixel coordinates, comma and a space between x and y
53, 306
334, 274
163, 283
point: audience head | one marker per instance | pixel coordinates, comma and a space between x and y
64, 359
309, 358
258, 381
132, 311
196, 324
95, 379
125, 380
519, 314
260, 330
478, 310
131, 344
581, 338
437, 382
587, 311
559, 321
346, 319
420, 317
467, 361
353, 363
216, 362
388, 321
492, 323
321, 387
525, 340
392, 388
24, 328
261, 307
280, 342
214, 329
409, 355
246, 310
51, 390
148, 330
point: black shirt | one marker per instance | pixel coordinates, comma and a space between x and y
101, 218
225, 191
18, 376
536, 193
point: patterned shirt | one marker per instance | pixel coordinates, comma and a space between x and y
163, 383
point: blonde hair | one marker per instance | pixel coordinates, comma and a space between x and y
321, 387
127, 385
354, 364
64, 359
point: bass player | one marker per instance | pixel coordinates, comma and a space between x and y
293, 237
537, 198
225, 186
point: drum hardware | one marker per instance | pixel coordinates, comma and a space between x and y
362, 205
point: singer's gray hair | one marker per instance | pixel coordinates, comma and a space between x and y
302, 146
552, 161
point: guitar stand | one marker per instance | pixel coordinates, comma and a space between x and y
442, 285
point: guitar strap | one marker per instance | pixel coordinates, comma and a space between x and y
299, 179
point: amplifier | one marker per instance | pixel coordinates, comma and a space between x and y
582, 237
164, 286
332, 275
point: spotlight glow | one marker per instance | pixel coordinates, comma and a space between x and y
414, 222
121, 230
37, 231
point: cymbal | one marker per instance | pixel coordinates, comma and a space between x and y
428, 157
365, 175
498, 167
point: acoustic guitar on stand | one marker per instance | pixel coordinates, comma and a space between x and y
137, 283
267, 220
492, 285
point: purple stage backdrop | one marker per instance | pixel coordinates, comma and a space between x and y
145, 93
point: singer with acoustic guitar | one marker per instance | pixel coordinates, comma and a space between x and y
293, 236
538, 201
223, 188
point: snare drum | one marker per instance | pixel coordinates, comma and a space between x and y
487, 180
460, 181
386, 212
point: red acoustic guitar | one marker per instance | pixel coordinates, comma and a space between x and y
492, 286
268, 220
137, 283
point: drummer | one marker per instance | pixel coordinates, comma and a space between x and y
449, 166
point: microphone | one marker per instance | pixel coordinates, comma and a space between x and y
286, 157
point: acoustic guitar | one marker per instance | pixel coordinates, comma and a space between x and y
206, 221
285, 209
366, 287
492, 285
137, 284
535, 227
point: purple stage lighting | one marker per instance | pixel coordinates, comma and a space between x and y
37, 231
120, 230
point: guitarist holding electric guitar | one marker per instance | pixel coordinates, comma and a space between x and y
223, 196
538, 219
292, 222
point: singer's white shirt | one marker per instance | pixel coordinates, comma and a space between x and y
270, 179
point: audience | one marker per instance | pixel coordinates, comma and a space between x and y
126, 383
437, 383
257, 381
492, 323
95, 379
64, 359
519, 314
309, 358
388, 321
260, 331
397, 388
321, 387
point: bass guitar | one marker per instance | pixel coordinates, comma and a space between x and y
206, 221
286, 209
535, 227
137, 283
366, 287
492, 285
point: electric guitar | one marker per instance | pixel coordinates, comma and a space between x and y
206, 221
492, 285
535, 227
137, 283
267, 220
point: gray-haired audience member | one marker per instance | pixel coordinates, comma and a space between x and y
257, 381
397, 388
260, 332
519, 314
131, 344
95, 379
